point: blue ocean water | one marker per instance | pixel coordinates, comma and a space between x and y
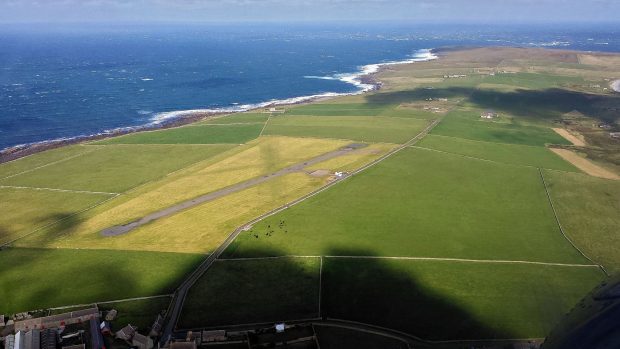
62, 82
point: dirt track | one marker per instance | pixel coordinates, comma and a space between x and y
585, 165
123, 229
570, 137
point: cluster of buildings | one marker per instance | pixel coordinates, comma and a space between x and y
455, 76
73, 330
274, 111
82, 329
278, 336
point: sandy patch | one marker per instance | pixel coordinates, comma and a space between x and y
585, 165
578, 141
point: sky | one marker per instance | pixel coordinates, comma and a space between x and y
463, 11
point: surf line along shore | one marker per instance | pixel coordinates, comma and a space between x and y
123, 229
615, 85
364, 80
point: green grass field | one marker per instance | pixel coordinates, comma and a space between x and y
335, 109
489, 131
24, 210
504, 153
534, 81
240, 118
33, 161
115, 168
425, 204
204, 134
42, 278
359, 128
589, 209
234, 292
448, 300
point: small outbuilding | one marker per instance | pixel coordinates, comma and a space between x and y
141, 341
126, 333
280, 328
488, 114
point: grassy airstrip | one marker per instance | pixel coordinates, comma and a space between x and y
453, 237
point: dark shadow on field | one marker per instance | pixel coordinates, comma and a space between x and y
374, 291
39, 278
545, 104
68, 281
370, 291
53, 226
45, 228
253, 291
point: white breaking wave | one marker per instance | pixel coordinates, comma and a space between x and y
356, 78
162, 118
320, 77
350, 78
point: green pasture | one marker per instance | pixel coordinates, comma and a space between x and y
421, 203
589, 209
24, 210
472, 127
239, 118
367, 129
249, 291
42, 278
534, 81
33, 161
505, 153
445, 300
115, 168
347, 109
192, 134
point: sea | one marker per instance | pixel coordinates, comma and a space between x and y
70, 81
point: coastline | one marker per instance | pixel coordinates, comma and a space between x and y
363, 79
